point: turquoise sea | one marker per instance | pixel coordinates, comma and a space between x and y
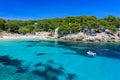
58, 60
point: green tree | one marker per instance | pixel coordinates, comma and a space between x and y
75, 28
23, 30
11, 26
2, 24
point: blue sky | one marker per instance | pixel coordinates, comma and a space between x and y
39, 9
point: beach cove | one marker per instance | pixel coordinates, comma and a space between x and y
59, 40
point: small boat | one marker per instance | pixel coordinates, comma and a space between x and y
90, 53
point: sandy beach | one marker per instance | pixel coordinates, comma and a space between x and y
40, 35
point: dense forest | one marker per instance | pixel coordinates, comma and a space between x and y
66, 25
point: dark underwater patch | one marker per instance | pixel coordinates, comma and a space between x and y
30, 45
40, 54
45, 75
37, 41
51, 72
110, 55
108, 50
38, 64
70, 76
22, 69
51, 61
7, 61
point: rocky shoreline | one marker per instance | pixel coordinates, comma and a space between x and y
98, 37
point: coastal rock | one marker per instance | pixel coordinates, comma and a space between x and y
118, 34
75, 37
99, 37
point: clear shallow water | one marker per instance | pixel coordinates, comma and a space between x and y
58, 60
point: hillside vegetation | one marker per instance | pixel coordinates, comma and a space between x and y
66, 25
